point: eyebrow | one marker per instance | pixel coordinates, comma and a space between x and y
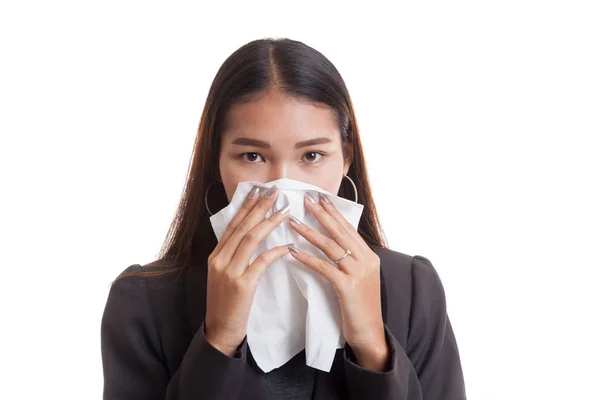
259, 143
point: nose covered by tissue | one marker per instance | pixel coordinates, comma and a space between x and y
294, 307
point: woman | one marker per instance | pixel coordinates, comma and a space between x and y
175, 328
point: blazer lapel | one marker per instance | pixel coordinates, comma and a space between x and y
333, 385
196, 280
195, 286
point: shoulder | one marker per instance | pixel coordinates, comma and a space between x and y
151, 276
392, 261
416, 270
149, 289
413, 288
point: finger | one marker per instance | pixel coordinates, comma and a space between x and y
258, 267
252, 239
249, 202
346, 226
254, 217
328, 271
333, 227
332, 250
327, 245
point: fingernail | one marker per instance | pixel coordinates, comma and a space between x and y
271, 191
293, 248
325, 198
310, 198
254, 192
294, 219
284, 210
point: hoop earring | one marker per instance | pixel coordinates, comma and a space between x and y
354, 187
206, 197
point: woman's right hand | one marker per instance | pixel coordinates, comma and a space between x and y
232, 282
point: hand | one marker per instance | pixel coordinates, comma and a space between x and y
231, 282
356, 280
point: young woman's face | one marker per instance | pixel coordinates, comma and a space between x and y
278, 137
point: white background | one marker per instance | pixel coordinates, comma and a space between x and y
480, 121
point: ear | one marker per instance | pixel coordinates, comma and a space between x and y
347, 157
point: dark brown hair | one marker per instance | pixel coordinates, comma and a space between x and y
288, 67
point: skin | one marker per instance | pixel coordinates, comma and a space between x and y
282, 123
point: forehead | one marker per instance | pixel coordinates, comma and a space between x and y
276, 117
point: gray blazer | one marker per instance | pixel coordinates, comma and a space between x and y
153, 344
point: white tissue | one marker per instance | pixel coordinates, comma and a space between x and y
294, 307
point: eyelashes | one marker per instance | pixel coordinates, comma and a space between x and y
317, 153
242, 156
254, 156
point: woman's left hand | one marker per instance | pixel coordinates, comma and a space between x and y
356, 280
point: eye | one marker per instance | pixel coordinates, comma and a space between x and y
313, 157
251, 157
